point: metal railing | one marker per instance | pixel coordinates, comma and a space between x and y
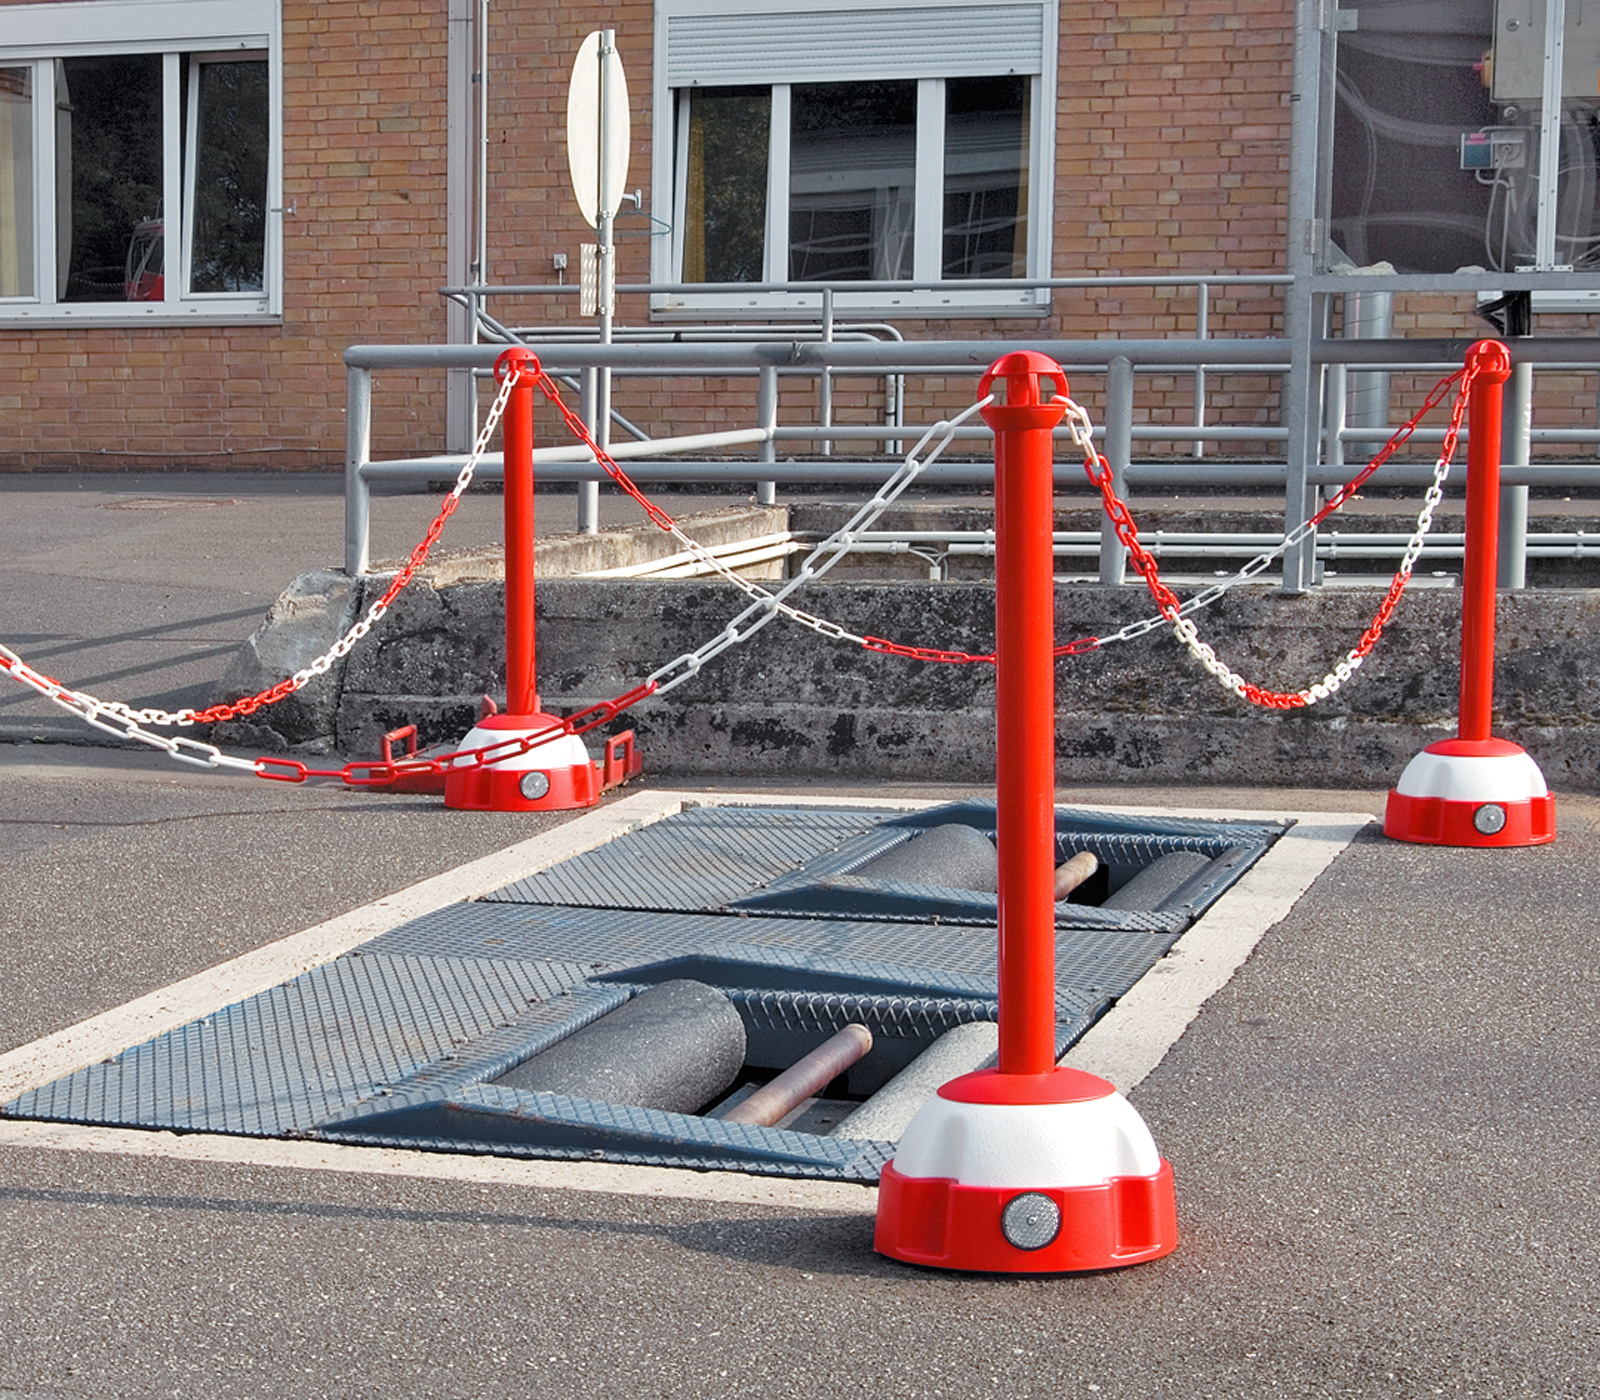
1117, 363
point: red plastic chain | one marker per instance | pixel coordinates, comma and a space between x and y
1099, 471
285, 688
385, 772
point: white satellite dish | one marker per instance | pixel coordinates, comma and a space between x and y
597, 129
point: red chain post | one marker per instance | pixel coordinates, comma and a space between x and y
1475, 789
1030, 1167
516, 437
1492, 363
1025, 770
524, 760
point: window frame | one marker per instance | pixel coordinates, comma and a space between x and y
669, 158
203, 30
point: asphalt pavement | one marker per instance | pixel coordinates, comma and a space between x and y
1382, 1126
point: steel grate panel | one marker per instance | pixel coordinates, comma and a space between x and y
697, 859
394, 1042
865, 1169
920, 1018
288, 1058
621, 939
619, 1132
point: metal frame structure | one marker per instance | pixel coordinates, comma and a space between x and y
1117, 362
1314, 288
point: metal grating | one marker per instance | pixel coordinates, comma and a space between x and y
693, 860
398, 1041
286, 1059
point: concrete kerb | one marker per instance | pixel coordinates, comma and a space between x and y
1129, 1042
791, 701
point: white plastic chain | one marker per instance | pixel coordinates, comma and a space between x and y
768, 605
112, 719
1081, 429
121, 720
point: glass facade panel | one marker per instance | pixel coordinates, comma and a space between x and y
16, 182
986, 177
113, 109
228, 253
725, 191
852, 181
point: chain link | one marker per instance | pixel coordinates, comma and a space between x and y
116, 720
1177, 615
374, 614
124, 722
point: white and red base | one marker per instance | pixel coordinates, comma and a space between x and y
1026, 1173
1471, 792
556, 776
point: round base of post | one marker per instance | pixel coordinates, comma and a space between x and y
1008, 1173
1471, 792
557, 776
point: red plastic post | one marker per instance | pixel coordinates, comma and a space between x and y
1492, 362
516, 438
1024, 509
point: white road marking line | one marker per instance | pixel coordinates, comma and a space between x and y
1131, 1039
140, 1020
1124, 1046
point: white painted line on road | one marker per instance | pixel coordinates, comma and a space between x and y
1133, 1037
138, 1021
1124, 1046
604, 1178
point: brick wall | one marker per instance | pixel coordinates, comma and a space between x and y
1172, 156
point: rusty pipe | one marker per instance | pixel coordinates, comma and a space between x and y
1072, 873
806, 1077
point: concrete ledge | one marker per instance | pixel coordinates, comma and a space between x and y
790, 701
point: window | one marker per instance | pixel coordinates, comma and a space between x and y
896, 144
138, 160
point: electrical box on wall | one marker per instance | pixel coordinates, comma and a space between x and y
1517, 57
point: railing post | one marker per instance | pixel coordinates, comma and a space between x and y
767, 418
589, 491
357, 452
825, 380
1202, 331
1119, 453
1516, 440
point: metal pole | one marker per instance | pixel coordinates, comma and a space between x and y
1301, 388
357, 452
589, 492
1202, 331
516, 437
1336, 412
1025, 704
767, 417
1555, 48
1493, 363
1516, 438
1119, 453
825, 379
